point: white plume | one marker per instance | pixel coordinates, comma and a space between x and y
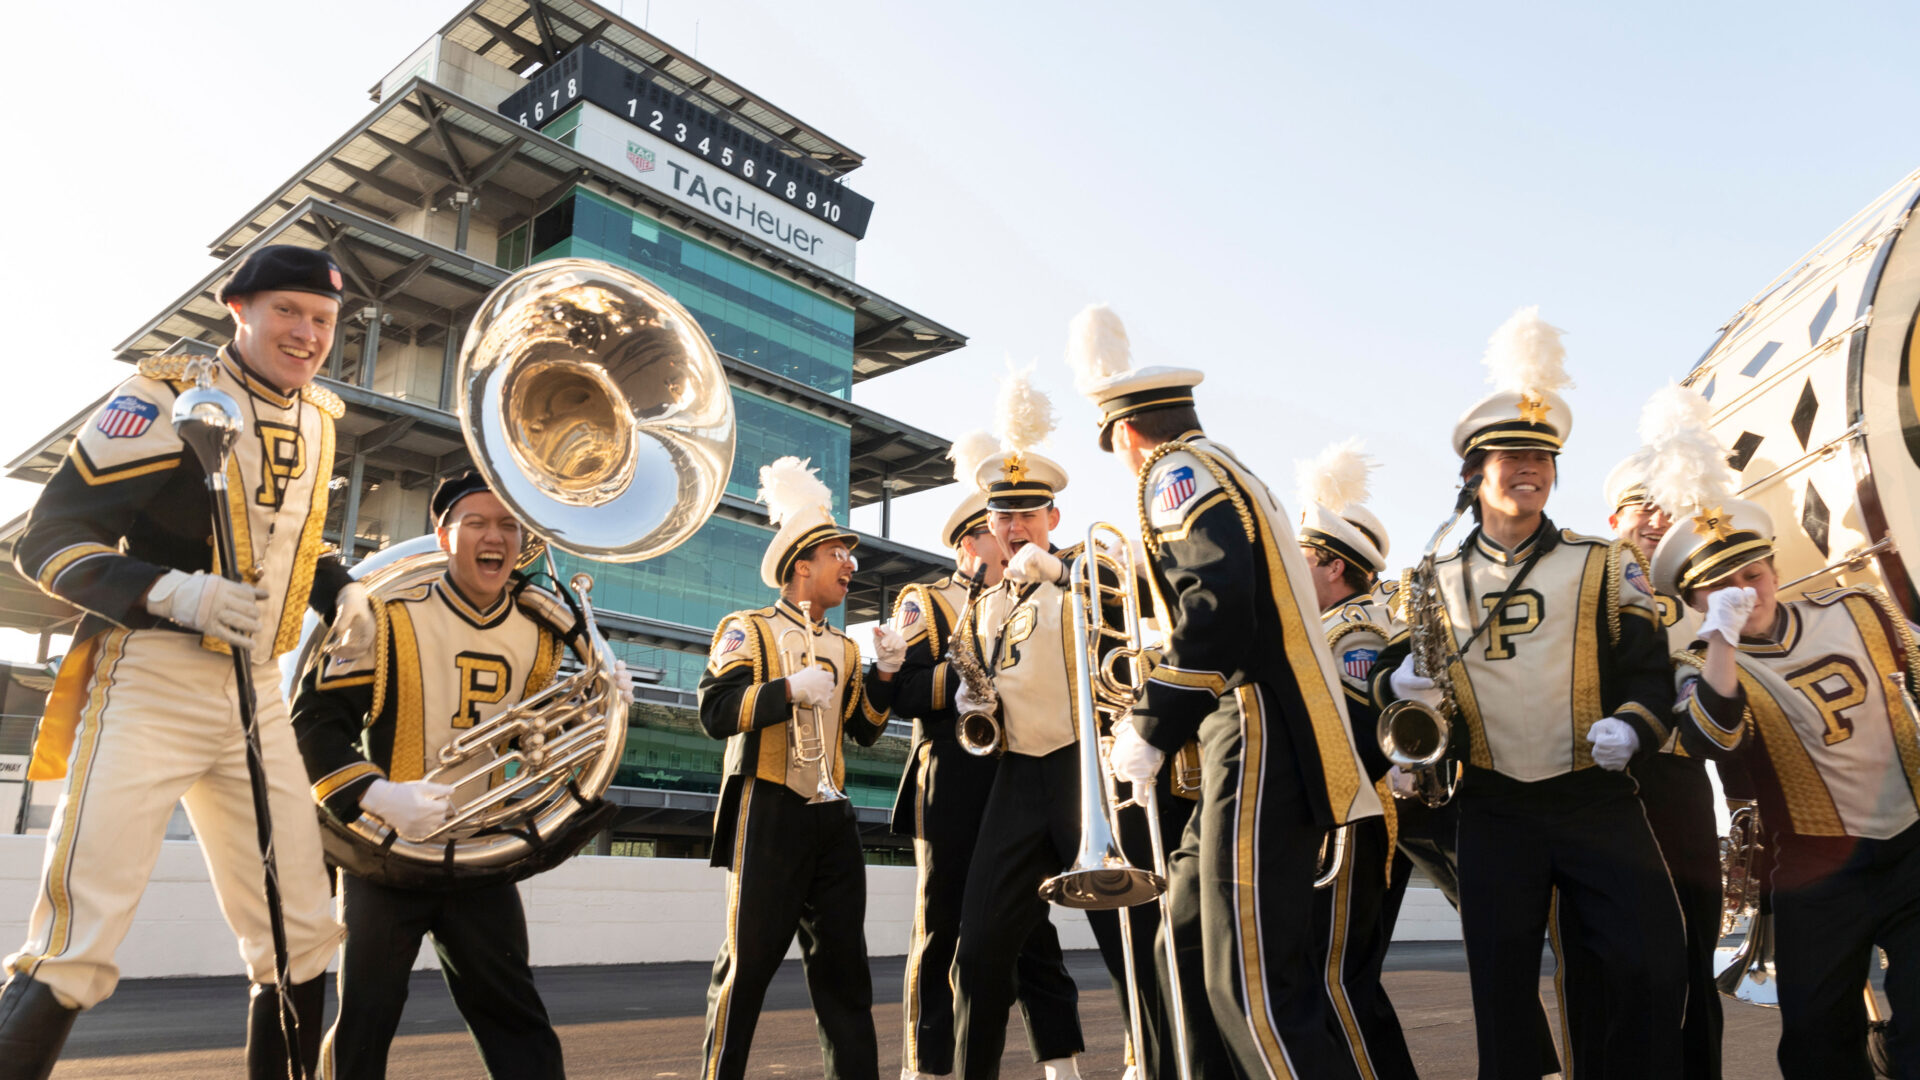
1337, 478
1024, 411
968, 451
1525, 355
1097, 346
789, 486
1683, 466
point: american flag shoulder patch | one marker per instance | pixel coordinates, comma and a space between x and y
1635, 576
909, 613
1174, 489
1357, 662
732, 640
126, 417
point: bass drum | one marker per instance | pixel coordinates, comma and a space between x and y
1813, 392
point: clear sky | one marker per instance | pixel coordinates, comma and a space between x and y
1327, 207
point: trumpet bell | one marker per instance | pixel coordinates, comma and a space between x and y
1101, 883
1747, 973
595, 406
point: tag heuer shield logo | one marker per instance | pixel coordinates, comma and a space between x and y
640, 156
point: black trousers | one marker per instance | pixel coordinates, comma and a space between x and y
1156, 1057
1352, 934
1242, 894
952, 787
795, 869
480, 936
1843, 897
1428, 841
1585, 835
1028, 833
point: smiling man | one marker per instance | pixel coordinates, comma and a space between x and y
1562, 681
784, 689
458, 651
144, 713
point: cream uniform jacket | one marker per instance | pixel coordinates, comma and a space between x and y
440, 668
1358, 632
1819, 721
1574, 644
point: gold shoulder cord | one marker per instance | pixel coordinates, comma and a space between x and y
1347, 629
1909, 651
380, 634
1615, 556
1220, 475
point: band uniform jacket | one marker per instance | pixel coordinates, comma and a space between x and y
130, 502
1023, 636
1358, 631
440, 666
1821, 718
1231, 587
1577, 642
924, 614
743, 699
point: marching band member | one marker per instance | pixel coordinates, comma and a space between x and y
1813, 697
1248, 671
792, 849
1562, 668
1674, 787
144, 713
1030, 829
943, 794
1345, 547
458, 652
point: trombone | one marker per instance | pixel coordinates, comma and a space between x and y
807, 732
1100, 876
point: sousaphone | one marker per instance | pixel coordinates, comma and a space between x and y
599, 413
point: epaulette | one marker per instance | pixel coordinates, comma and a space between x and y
411, 595
1348, 629
1568, 536
171, 367
1068, 554
324, 399
1830, 597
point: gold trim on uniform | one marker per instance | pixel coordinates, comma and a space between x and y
1810, 804
324, 399
546, 661
1211, 681
1586, 655
324, 787
408, 760
300, 587
722, 1003
96, 476
1906, 739
1247, 887
51, 570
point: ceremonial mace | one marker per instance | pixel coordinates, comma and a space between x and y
208, 420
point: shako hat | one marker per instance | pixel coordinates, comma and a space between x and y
1016, 478
801, 509
1332, 488
1101, 358
1527, 366
1686, 474
967, 452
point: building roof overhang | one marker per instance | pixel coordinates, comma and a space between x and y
424, 144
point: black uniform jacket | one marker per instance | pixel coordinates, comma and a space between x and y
745, 702
922, 689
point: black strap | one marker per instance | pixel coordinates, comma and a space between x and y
1466, 576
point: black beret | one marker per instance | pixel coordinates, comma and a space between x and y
452, 490
283, 266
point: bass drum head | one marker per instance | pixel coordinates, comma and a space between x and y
1812, 397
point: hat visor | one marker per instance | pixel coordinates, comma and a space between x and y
1724, 564
1016, 503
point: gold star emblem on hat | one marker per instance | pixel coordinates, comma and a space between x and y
1532, 409
1014, 469
1713, 524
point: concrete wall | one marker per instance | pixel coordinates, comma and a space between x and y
589, 911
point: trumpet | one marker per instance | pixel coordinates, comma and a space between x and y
1100, 876
1411, 735
807, 732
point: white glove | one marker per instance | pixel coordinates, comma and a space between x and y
413, 808
213, 605
889, 648
1614, 742
1727, 612
811, 686
622, 683
352, 622
1033, 564
1133, 758
1408, 686
963, 700
1400, 782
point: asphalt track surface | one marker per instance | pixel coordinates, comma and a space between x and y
645, 1021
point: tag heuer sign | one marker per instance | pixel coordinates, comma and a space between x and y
640, 156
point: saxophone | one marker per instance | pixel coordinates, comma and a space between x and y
977, 731
1410, 734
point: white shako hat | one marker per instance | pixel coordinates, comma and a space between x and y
1332, 488
801, 508
967, 452
1686, 474
1673, 417
1016, 478
1527, 366
1102, 362
1626, 485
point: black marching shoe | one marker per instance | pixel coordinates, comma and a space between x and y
266, 1050
33, 1028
